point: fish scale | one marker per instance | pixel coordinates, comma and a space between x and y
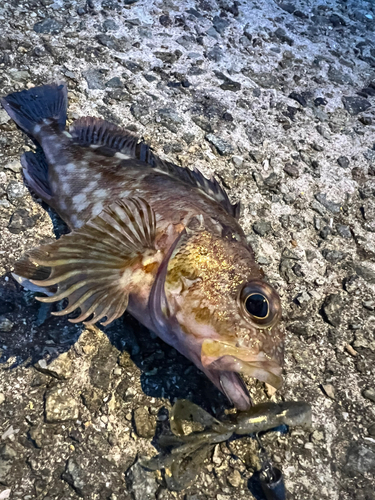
148, 236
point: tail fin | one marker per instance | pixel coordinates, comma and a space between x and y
30, 107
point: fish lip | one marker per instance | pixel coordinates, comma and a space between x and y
228, 357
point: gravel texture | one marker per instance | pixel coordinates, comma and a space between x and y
277, 100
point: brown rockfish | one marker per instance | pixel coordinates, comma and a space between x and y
148, 236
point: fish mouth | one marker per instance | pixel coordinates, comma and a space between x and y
223, 356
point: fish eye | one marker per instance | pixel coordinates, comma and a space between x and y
257, 305
260, 303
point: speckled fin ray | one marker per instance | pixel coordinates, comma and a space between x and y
31, 107
108, 137
93, 266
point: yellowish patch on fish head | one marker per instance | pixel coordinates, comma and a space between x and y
216, 291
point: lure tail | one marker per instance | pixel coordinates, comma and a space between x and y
33, 108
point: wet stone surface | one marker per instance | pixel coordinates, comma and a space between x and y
277, 99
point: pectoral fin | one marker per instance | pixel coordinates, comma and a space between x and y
93, 266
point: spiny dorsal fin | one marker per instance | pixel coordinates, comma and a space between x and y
92, 266
88, 131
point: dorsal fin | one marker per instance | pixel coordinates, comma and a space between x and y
89, 130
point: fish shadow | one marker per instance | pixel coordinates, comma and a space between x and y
29, 333
165, 372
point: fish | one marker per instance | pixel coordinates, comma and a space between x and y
185, 450
147, 236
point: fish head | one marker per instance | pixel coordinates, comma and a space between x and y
225, 317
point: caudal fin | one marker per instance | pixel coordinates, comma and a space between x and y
37, 106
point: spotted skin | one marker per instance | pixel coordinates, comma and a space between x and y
83, 182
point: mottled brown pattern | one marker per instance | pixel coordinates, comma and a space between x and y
210, 272
186, 283
170, 198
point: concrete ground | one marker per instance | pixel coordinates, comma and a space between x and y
277, 101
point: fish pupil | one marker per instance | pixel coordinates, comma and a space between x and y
257, 305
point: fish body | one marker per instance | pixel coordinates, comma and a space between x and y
148, 236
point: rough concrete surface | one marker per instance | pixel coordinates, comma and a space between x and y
277, 100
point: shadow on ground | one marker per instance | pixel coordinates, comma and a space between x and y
35, 334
